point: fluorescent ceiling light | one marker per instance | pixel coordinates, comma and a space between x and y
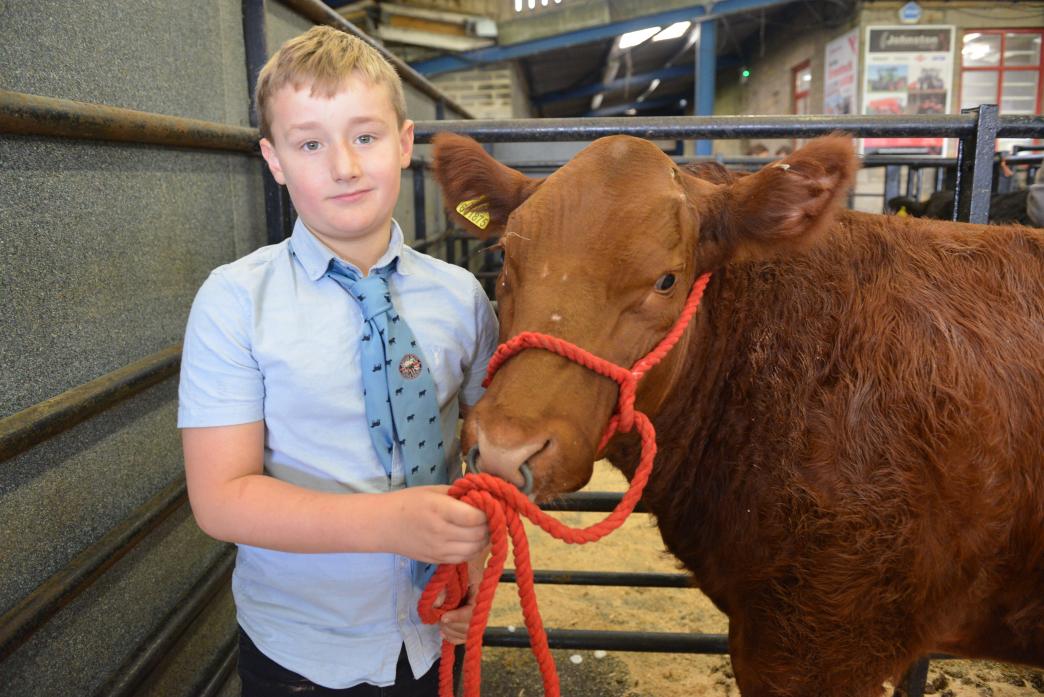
633, 38
975, 51
673, 31
518, 5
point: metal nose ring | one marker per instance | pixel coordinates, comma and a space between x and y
471, 467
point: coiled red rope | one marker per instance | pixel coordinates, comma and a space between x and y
504, 505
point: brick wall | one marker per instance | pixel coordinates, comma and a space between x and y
493, 92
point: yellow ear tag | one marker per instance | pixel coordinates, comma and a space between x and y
477, 214
902, 211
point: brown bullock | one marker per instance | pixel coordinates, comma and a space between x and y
851, 431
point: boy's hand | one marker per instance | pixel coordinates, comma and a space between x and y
433, 527
454, 624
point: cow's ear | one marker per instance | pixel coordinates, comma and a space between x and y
787, 204
479, 193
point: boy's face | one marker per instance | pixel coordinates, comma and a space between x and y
341, 159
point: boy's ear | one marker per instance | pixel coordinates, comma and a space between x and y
479, 193
269, 153
406, 144
788, 203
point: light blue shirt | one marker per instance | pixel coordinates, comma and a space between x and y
271, 337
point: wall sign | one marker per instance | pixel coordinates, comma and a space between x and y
909, 70
842, 67
910, 13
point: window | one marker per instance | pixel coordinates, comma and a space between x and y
800, 89
1003, 67
801, 85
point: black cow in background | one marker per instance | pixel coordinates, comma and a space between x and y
1005, 209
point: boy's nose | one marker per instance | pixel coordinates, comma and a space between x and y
346, 164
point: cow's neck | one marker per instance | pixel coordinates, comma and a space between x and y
702, 479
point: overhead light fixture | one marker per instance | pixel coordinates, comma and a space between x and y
633, 38
976, 50
518, 5
673, 32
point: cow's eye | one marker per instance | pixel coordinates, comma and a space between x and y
665, 282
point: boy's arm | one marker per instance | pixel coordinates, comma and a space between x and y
233, 500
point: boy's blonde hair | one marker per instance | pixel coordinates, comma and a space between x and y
324, 57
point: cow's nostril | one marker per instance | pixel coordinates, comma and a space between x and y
471, 466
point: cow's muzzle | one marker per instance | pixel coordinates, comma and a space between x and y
472, 467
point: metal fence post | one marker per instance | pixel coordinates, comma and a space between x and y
891, 187
277, 215
914, 680
975, 166
420, 209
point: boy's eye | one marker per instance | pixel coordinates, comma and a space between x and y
310, 146
366, 139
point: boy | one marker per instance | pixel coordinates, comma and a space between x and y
298, 446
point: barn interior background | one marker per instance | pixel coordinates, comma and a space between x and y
129, 171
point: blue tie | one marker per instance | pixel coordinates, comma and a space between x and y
402, 408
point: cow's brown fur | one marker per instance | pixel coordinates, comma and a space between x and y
851, 434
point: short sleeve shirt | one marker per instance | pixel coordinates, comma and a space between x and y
270, 337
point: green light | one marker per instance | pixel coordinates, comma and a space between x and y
746, 73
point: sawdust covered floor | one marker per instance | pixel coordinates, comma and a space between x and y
637, 547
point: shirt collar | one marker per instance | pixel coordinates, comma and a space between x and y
315, 256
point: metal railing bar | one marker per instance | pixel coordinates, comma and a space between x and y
1019, 126
30, 114
130, 675
917, 161
655, 642
589, 502
421, 245
19, 623
33, 425
557, 577
320, 13
723, 127
645, 642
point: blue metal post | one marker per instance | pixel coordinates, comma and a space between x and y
706, 67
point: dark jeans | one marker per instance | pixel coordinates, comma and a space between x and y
263, 677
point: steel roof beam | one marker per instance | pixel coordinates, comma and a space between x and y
497, 54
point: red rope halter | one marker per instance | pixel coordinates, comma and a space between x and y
503, 504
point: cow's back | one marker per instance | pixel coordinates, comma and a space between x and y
865, 422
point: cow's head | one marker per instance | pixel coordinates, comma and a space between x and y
602, 253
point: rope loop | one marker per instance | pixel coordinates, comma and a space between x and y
504, 506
